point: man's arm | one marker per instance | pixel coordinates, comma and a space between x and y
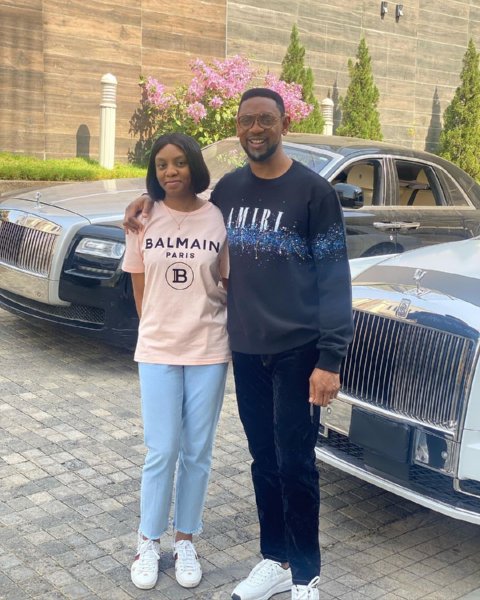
328, 242
141, 206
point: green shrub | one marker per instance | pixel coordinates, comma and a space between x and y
19, 166
294, 71
460, 138
360, 116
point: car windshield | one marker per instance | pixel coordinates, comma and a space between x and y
227, 155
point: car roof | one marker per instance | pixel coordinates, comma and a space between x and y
350, 146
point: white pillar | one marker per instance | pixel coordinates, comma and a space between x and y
108, 109
327, 112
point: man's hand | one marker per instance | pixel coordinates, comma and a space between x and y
324, 386
141, 205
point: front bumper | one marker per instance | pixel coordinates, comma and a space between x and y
102, 309
387, 459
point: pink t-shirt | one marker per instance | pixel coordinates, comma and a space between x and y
183, 256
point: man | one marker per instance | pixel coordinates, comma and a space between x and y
289, 322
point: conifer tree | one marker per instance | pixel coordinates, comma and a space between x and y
460, 138
294, 71
360, 116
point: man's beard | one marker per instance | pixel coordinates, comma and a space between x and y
261, 157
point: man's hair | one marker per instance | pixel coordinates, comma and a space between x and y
193, 153
263, 93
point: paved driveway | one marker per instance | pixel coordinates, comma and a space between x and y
70, 457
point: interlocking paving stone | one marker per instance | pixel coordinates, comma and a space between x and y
71, 451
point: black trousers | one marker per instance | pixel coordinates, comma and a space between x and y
272, 394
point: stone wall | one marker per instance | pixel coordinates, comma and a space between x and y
416, 59
54, 54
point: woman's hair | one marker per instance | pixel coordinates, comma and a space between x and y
193, 153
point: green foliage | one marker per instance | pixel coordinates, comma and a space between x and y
205, 109
294, 71
360, 116
19, 166
149, 122
293, 61
217, 124
460, 138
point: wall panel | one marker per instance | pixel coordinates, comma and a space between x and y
53, 54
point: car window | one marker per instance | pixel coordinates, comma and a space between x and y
312, 160
227, 155
223, 157
418, 185
451, 189
366, 174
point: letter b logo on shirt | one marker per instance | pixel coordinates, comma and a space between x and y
179, 276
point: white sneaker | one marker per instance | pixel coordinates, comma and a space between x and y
144, 571
264, 581
188, 571
306, 592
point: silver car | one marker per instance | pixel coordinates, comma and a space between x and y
407, 417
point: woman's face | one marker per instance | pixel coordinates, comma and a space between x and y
173, 172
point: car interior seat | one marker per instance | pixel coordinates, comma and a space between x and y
363, 176
423, 195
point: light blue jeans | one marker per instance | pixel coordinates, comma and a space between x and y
180, 410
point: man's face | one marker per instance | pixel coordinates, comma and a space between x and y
260, 142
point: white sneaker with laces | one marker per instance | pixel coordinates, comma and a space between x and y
144, 571
264, 581
306, 592
188, 571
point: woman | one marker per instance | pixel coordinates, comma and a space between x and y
176, 264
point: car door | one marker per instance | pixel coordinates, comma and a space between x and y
422, 211
370, 173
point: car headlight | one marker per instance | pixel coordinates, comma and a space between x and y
102, 248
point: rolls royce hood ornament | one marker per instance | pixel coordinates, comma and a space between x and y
418, 276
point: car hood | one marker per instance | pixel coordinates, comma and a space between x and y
442, 279
96, 201
460, 259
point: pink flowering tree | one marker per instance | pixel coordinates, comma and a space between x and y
206, 107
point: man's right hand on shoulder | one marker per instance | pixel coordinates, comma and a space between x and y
140, 206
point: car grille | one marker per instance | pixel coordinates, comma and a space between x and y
26, 248
408, 369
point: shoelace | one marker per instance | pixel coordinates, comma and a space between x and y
263, 571
148, 555
307, 593
186, 555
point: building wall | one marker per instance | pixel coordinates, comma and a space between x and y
53, 54
416, 60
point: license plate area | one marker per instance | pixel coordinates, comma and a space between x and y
381, 435
386, 443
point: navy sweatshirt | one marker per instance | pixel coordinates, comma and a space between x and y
289, 275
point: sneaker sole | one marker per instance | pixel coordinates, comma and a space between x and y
143, 587
278, 589
189, 585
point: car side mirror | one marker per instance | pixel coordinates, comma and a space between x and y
350, 196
